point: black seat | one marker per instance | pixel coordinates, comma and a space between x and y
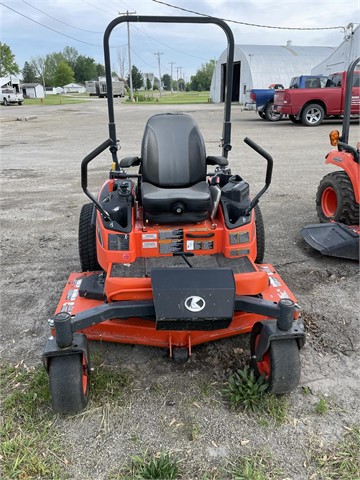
173, 166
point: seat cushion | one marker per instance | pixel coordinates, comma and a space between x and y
180, 205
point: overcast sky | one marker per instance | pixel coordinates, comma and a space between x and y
81, 23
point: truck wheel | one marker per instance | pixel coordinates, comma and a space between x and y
20, 103
87, 240
271, 114
312, 115
260, 235
69, 383
5, 102
335, 199
262, 115
293, 119
280, 364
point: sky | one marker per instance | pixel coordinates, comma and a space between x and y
40, 27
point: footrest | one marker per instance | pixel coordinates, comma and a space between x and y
193, 299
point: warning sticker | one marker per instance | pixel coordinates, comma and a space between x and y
171, 247
190, 245
118, 241
171, 234
72, 294
274, 282
149, 244
67, 307
149, 236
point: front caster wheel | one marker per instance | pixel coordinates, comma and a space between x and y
280, 364
69, 383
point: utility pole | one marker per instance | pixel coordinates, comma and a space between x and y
158, 55
129, 54
171, 76
177, 76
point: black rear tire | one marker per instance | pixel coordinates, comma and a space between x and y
271, 115
293, 119
260, 235
335, 199
261, 115
69, 383
87, 240
312, 115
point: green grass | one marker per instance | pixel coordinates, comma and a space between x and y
176, 98
342, 461
161, 466
108, 384
244, 390
54, 100
321, 407
258, 466
30, 446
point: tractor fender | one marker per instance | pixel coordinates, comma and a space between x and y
345, 160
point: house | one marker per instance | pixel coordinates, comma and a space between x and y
74, 88
32, 90
54, 90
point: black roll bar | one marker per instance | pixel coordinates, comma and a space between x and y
347, 101
226, 135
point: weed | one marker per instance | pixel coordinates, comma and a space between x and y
109, 383
258, 466
159, 466
244, 390
29, 447
321, 407
276, 407
341, 462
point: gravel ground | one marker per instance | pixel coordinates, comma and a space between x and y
176, 407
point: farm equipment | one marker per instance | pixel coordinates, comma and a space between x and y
338, 195
172, 255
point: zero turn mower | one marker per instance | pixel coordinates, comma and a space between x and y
172, 256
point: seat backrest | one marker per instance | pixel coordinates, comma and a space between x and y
173, 151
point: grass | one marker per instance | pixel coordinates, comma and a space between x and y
175, 98
258, 466
54, 100
244, 390
30, 446
342, 461
108, 384
161, 466
321, 407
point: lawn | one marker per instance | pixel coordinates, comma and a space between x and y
54, 100
175, 98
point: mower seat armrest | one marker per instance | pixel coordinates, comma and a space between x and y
129, 162
215, 160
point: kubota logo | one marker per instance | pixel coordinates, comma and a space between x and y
195, 304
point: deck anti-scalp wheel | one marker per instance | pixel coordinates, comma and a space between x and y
335, 199
87, 240
280, 364
69, 383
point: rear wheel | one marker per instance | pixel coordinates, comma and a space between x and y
271, 114
293, 119
261, 115
312, 115
280, 364
87, 240
260, 235
335, 199
5, 102
69, 383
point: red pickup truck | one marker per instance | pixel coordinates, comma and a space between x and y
310, 106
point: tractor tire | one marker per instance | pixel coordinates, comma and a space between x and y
87, 240
280, 364
69, 383
271, 115
293, 119
260, 235
335, 199
312, 115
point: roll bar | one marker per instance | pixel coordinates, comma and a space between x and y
347, 101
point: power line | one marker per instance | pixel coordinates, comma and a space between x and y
246, 23
97, 8
57, 20
56, 31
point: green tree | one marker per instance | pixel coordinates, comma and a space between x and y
64, 74
70, 55
52, 62
202, 79
100, 70
28, 73
148, 84
137, 78
85, 69
166, 79
39, 65
8, 66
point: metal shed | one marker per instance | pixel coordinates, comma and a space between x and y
258, 66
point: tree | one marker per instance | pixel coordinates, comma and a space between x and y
100, 70
148, 83
39, 65
64, 74
121, 54
85, 69
202, 79
8, 66
70, 55
166, 80
28, 73
137, 78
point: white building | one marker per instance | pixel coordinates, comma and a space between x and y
258, 66
74, 88
32, 90
341, 58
